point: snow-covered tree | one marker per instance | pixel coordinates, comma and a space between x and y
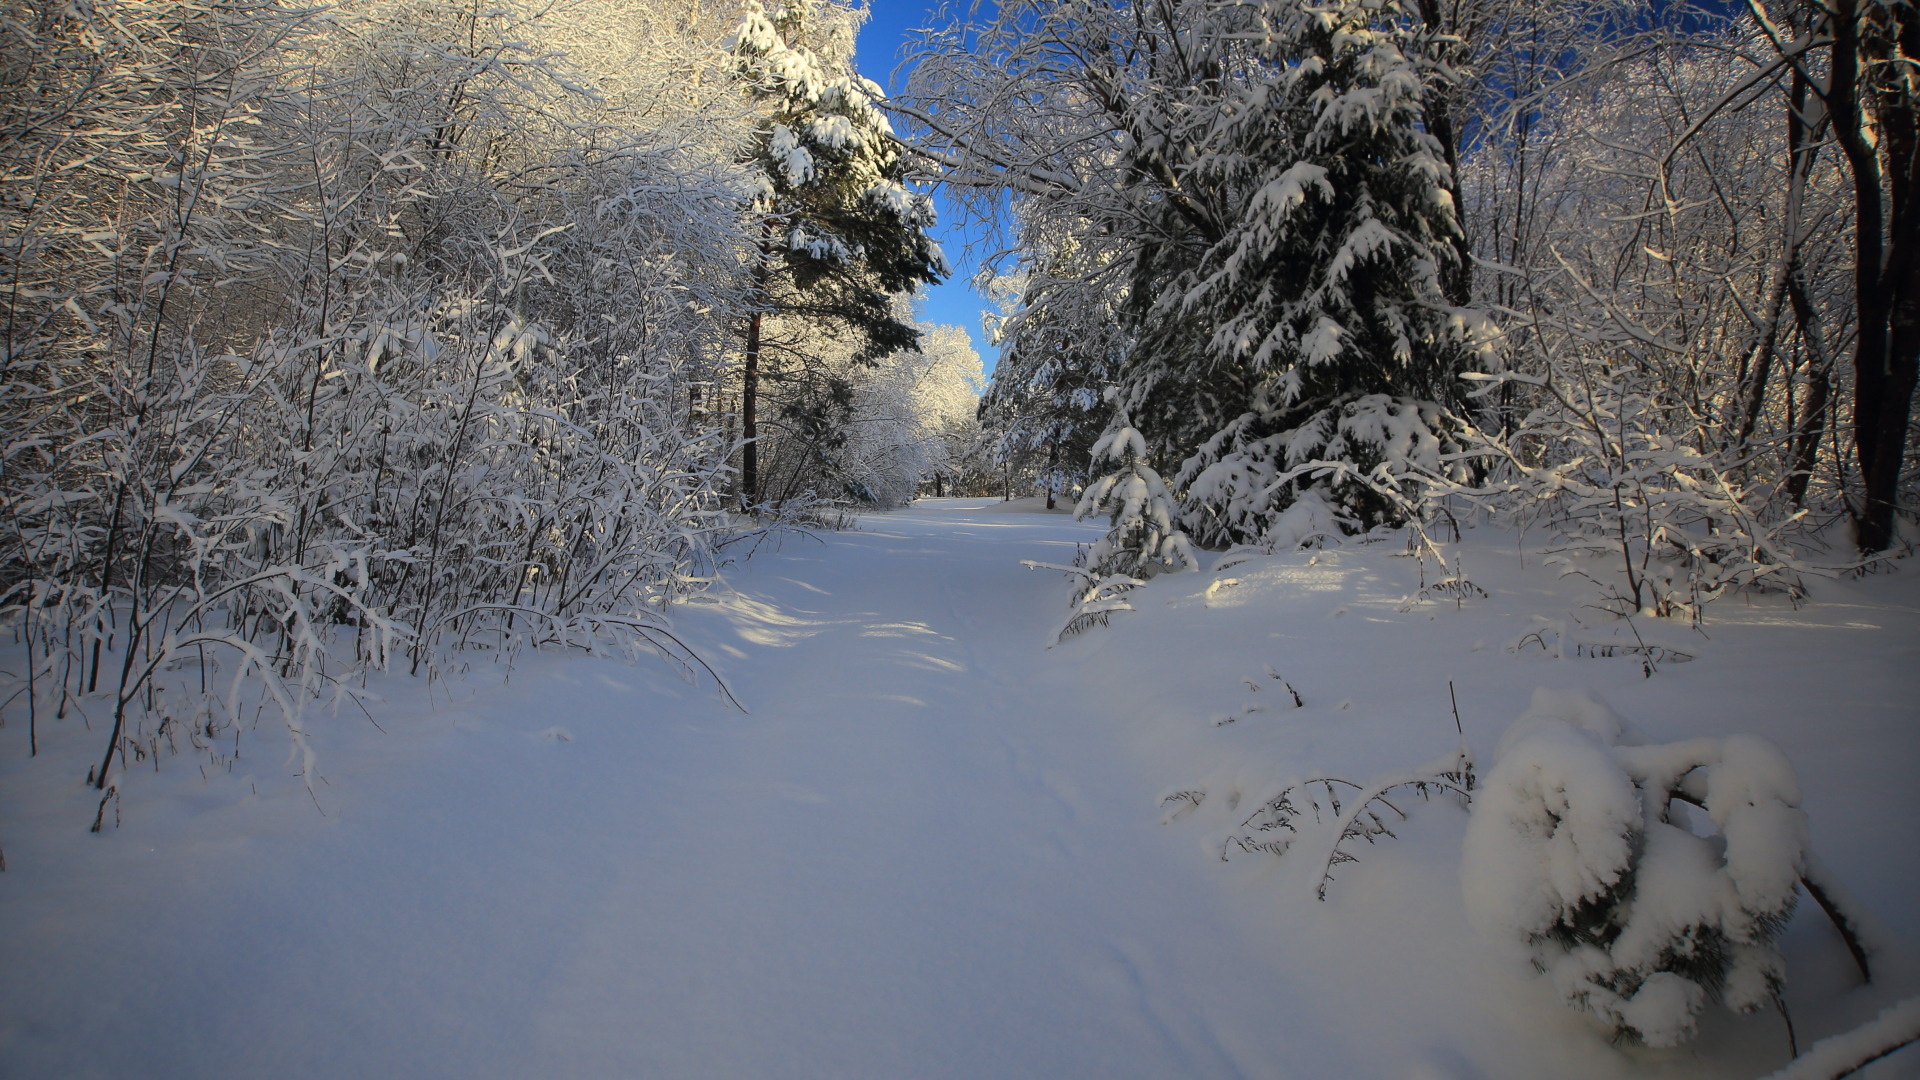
1666, 382
847, 428
1321, 277
945, 396
1061, 344
841, 233
909, 417
1867, 96
1262, 200
352, 337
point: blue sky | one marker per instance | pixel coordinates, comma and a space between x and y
878, 52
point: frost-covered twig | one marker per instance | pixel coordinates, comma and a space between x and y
1838, 906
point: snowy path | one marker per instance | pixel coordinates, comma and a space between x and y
898, 865
912, 858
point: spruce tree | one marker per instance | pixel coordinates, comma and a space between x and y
1059, 350
1310, 316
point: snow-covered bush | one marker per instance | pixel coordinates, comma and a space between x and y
1667, 389
1596, 462
1346, 812
313, 361
1637, 909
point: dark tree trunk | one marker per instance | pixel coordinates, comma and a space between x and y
1806, 440
1886, 246
1813, 417
1806, 130
749, 424
750, 380
1053, 459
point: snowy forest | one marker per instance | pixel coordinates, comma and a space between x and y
503, 572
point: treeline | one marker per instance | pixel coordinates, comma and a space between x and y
346, 335
1649, 272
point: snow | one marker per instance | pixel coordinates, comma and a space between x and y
1553, 828
933, 847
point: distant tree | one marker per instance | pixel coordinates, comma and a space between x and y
1060, 347
897, 423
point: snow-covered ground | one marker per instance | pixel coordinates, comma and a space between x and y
933, 847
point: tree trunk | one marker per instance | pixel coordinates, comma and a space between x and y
749, 423
1053, 480
1457, 279
1886, 245
750, 380
1899, 128
1806, 437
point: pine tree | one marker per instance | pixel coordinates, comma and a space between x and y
1279, 221
840, 231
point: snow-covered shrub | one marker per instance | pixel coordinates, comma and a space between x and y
1331, 815
1141, 540
1588, 852
1668, 382
1597, 460
1346, 811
